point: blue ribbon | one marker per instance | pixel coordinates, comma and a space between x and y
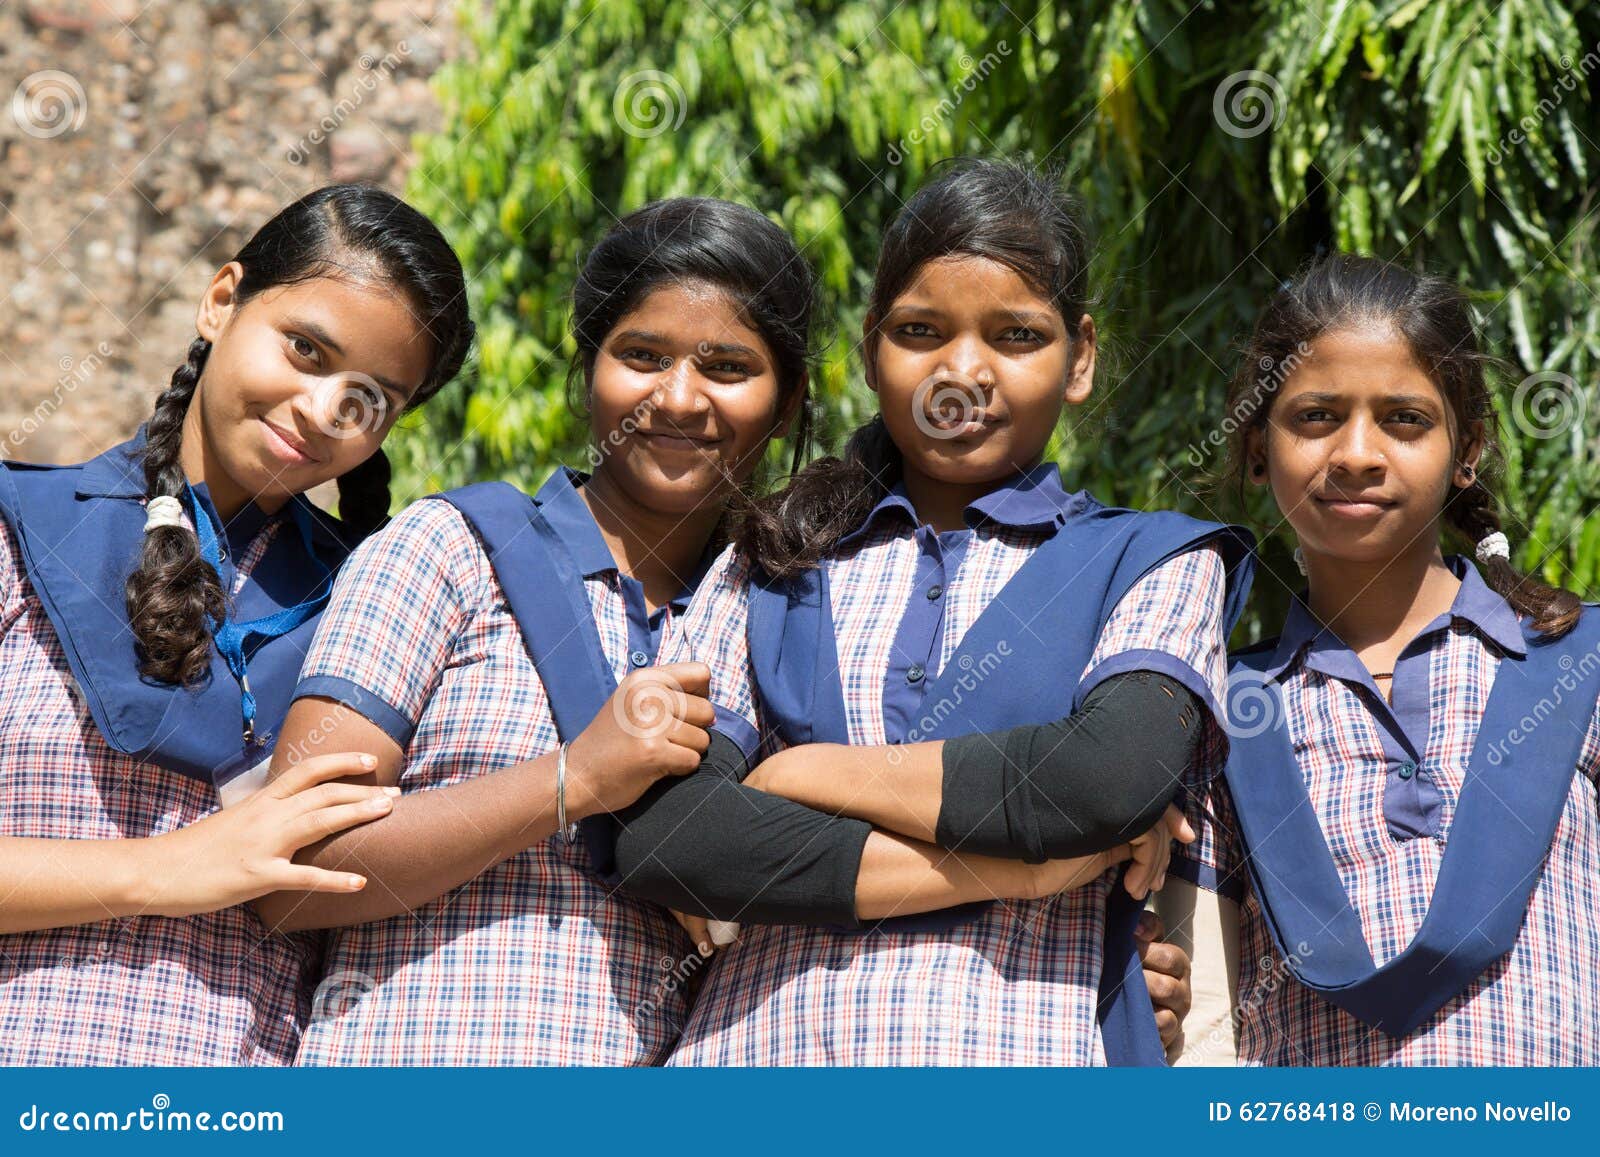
231, 637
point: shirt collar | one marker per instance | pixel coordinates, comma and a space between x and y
568, 515
1029, 500
118, 473
1475, 604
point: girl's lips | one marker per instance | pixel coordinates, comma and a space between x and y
669, 441
279, 442
1353, 508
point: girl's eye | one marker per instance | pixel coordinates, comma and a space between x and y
643, 355
1411, 418
1021, 333
727, 369
303, 346
1313, 416
916, 329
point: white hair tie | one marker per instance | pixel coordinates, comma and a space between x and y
1494, 545
164, 510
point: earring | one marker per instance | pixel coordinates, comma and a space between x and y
1470, 471
1258, 470
1300, 560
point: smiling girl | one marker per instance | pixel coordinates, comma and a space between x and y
155, 605
982, 686
1409, 813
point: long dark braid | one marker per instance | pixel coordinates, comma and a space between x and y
174, 591
364, 496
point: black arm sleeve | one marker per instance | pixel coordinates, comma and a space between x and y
1077, 786
707, 845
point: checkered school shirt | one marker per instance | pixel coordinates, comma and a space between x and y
214, 989
1540, 1004
1019, 985
534, 962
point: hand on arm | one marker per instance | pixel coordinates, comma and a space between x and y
653, 726
226, 858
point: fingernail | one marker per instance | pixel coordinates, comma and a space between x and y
356, 883
705, 950
391, 791
369, 761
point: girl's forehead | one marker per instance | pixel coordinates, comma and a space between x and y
692, 311
971, 283
1357, 359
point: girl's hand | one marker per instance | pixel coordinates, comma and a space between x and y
247, 850
1042, 881
653, 725
1166, 975
698, 930
1152, 852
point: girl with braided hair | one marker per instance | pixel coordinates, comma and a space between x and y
1408, 812
155, 606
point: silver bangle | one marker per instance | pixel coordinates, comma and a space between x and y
561, 793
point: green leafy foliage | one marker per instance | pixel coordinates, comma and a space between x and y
1451, 134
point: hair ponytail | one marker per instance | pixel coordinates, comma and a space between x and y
1553, 611
788, 533
364, 496
173, 592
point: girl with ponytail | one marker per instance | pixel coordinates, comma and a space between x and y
1408, 813
977, 687
155, 606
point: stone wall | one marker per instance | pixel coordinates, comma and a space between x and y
140, 144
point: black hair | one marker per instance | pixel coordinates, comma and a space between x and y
1013, 213
173, 592
1432, 316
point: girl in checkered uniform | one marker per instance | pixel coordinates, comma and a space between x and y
488, 631
155, 604
981, 687
1408, 815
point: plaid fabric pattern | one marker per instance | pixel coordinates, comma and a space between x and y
1019, 985
1539, 1005
534, 962
214, 989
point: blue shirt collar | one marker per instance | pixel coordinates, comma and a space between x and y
568, 515
1030, 500
1475, 605
118, 473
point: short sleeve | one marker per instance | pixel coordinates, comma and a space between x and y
714, 631
1170, 621
1215, 861
11, 584
398, 606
